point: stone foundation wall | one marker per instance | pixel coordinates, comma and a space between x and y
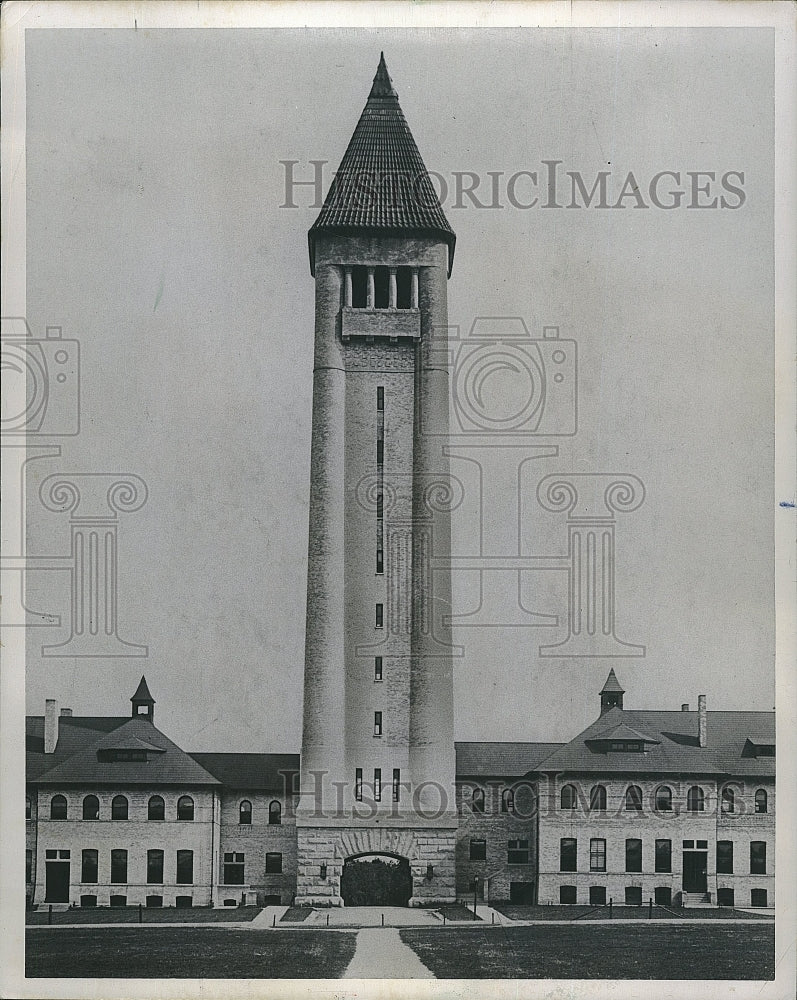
331, 847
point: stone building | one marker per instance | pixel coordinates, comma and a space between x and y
665, 805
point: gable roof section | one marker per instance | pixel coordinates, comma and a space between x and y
678, 750
75, 733
500, 760
268, 772
382, 184
622, 732
171, 766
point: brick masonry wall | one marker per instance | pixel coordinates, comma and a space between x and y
497, 828
136, 835
254, 841
617, 824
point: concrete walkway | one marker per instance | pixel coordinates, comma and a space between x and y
381, 954
372, 916
269, 916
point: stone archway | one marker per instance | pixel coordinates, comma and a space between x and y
376, 880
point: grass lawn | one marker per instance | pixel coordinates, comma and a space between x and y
186, 953
151, 915
598, 951
517, 912
457, 911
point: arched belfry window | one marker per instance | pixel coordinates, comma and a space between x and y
761, 804
119, 807
156, 807
507, 801
633, 798
245, 812
58, 807
477, 800
274, 813
91, 807
663, 799
695, 799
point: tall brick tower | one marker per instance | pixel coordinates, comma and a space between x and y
377, 773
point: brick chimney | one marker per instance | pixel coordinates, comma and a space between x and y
685, 706
701, 719
50, 725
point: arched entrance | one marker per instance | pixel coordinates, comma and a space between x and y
376, 880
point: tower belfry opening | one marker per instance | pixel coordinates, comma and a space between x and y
381, 252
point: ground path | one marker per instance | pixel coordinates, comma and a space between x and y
381, 954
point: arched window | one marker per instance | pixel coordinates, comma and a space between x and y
507, 801
477, 800
91, 807
567, 797
119, 807
58, 807
245, 812
597, 797
274, 813
663, 799
728, 800
695, 799
29, 807
633, 798
761, 801
185, 807
156, 807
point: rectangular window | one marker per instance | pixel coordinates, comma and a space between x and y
758, 897
380, 452
633, 895
567, 854
758, 857
597, 855
567, 894
380, 397
154, 867
597, 895
377, 668
380, 615
725, 897
478, 850
273, 863
396, 784
118, 867
233, 869
377, 784
725, 857
358, 784
633, 855
380, 555
28, 867
185, 867
377, 723
663, 860
518, 852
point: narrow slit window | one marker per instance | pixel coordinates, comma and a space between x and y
377, 668
359, 287
358, 784
377, 723
380, 615
381, 288
396, 784
377, 784
403, 288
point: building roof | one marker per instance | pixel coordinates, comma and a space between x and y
142, 692
270, 772
622, 732
500, 760
677, 750
382, 184
612, 685
169, 766
75, 732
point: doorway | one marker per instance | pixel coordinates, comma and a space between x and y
695, 867
368, 880
57, 882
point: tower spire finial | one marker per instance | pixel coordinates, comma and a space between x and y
383, 85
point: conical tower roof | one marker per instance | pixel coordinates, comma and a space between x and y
612, 684
142, 692
382, 184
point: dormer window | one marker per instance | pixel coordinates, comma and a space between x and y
628, 746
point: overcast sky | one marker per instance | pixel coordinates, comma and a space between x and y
156, 237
